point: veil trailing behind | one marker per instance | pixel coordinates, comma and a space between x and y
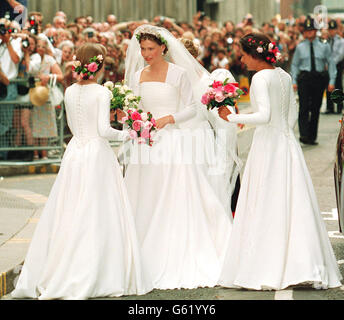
220, 144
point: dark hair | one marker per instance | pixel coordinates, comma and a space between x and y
221, 50
152, 37
250, 43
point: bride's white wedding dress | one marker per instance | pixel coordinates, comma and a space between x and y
85, 243
278, 238
181, 224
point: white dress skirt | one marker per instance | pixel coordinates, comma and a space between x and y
182, 225
278, 238
85, 243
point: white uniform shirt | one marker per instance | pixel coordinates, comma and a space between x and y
9, 68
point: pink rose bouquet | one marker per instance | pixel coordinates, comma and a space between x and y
140, 125
221, 94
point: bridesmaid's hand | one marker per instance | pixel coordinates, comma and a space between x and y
112, 115
162, 122
223, 113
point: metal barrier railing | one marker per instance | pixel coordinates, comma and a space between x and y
57, 144
54, 143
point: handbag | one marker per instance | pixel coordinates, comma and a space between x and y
55, 93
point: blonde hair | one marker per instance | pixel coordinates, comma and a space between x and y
190, 46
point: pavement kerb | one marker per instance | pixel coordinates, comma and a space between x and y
16, 170
7, 278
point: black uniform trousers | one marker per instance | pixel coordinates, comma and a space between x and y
310, 86
338, 85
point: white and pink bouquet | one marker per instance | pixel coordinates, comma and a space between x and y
140, 125
222, 94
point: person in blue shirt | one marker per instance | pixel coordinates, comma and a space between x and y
337, 48
312, 71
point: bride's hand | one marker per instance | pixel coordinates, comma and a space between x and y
223, 112
162, 122
120, 114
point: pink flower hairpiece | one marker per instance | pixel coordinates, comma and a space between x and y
267, 47
88, 70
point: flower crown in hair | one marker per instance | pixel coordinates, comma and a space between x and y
152, 31
88, 70
267, 47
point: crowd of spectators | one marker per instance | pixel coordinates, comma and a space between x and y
46, 48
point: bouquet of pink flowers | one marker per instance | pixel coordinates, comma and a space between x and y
221, 94
141, 125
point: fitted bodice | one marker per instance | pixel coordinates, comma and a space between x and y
88, 112
277, 83
159, 98
272, 100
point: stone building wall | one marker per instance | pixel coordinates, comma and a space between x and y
181, 10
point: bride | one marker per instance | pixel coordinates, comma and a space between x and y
181, 222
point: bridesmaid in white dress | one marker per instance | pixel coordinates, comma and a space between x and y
181, 223
85, 244
278, 238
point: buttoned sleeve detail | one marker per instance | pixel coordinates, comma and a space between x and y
292, 114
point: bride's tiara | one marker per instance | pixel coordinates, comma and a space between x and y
150, 30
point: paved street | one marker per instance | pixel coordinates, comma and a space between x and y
22, 197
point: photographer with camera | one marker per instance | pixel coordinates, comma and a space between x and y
22, 113
10, 56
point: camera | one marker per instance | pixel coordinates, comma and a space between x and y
25, 43
33, 25
51, 39
3, 29
202, 16
90, 34
107, 68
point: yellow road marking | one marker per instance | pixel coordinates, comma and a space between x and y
19, 240
3, 289
32, 169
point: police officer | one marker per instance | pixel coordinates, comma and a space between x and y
309, 67
337, 48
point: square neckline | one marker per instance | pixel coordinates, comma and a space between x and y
168, 69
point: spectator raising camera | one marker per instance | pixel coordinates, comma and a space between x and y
10, 56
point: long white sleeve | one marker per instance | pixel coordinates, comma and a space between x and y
187, 100
260, 93
104, 127
292, 114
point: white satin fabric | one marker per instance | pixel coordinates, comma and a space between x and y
181, 223
85, 243
279, 238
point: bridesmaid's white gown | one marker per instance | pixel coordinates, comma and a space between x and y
85, 243
181, 224
278, 238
